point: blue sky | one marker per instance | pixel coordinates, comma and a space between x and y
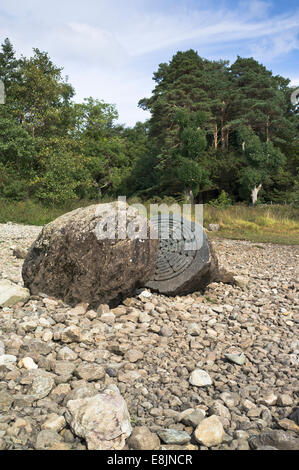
110, 48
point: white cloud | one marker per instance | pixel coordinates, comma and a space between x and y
276, 46
123, 89
294, 81
86, 44
255, 8
154, 33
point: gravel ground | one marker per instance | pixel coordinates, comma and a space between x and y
150, 347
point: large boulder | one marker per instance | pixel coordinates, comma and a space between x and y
99, 254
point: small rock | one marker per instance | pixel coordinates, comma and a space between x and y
186, 447
243, 445
238, 359
288, 425
90, 372
219, 409
55, 423
41, 387
134, 355
143, 439
7, 360
27, 363
217, 308
193, 329
103, 420
193, 418
266, 448
285, 400
119, 311
6, 401
64, 368
174, 436
71, 334
103, 308
230, 399
210, 432
145, 295
166, 331
67, 354
85, 391
281, 440
11, 294
270, 399
200, 378
128, 377
47, 336
108, 318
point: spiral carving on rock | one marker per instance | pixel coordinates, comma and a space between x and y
173, 258
184, 256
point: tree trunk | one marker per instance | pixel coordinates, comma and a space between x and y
254, 194
189, 196
216, 137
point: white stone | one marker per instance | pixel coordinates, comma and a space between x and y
210, 432
145, 294
193, 329
28, 363
200, 378
47, 336
11, 294
7, 360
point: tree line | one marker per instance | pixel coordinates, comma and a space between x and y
217, 132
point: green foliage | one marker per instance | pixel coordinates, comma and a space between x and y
222, 201
63, 172
215, 130
262, 161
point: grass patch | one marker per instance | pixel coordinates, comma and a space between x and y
260, 224
34, 213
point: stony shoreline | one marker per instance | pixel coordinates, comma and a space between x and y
149, 347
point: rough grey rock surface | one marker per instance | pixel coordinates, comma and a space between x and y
71, 262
